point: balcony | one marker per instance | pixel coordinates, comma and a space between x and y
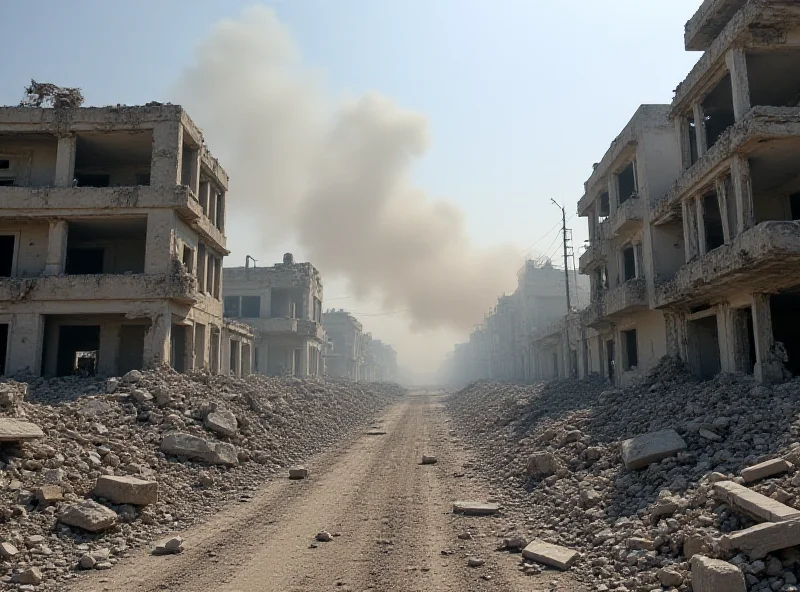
628, 297
627, 218
181, 287
593, 315
756, 260
310, 328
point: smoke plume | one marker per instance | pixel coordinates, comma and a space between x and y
333, 175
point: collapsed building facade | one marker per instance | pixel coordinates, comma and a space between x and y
112, 235
283, 306
694, 216
354, 355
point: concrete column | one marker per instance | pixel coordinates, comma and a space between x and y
768, 368
238, 370
157, 339
637, 260
56, 248
25, 344
723, 201
700, 129
613, 194
189, 360
166, 161
593, 225
108, 356
689, 228
725, 333
743, 193
740, 85
160, 244
194, 173
682, 125
65, 161
702, 244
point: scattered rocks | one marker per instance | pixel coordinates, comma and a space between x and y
542, 464
32, 576
713, 575
549, 554
7, 550
222, 422
195, 447
644, 450
88, 515
324, 536
475, 562
170, 546
428, 460
298, 473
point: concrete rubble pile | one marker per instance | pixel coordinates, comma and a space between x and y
120, 462
639, 480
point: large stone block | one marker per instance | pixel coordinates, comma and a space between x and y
753, 504
715, 575
126, 490
180, 444
475, 508
549, 554
776, 466
15, 430
222, 422
542, 464
765, 538
641, 451
88, 515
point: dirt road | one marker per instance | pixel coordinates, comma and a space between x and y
392, 516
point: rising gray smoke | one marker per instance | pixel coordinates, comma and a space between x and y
334, 176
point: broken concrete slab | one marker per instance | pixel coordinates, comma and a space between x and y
49, 494
475, 508
765, 538
298, 473
542, 464
126, 490
549, 554
16, 430
222, 422
715, 575
88, 515
753, 504
776, 466
644, 450
189, 446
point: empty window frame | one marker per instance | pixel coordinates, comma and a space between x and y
631, 353
626, 182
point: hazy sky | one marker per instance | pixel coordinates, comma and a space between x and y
520, 97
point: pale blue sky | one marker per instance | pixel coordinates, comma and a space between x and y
522, 96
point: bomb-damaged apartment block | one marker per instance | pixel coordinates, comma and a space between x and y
344, 357
694, 216
112, 235
283, 305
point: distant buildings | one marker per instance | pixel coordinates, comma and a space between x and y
354, 355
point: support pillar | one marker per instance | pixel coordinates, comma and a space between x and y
740, 85
682, 125
304, 361
157, 339
613, 195
65, 161
727, 338
159, 247
701, 137
107, 357
56, 257
768, 368
743, 192
167, 159
723, 202
689, 228
702, 244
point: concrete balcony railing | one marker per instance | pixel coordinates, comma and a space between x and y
757, 259
628, 217
626, 297
592, 315
177, 286
310, 328
595, 252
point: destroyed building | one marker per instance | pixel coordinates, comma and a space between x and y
283, 306
694, 220
112, 235
345, 356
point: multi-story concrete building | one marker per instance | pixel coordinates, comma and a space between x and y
623, 335
283, 305
385, 358
112, 236
345, 357
731, 301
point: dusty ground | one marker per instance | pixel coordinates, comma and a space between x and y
369, 491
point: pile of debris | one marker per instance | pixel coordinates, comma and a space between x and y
641, 479
90, 468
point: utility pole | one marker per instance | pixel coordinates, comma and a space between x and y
564, 232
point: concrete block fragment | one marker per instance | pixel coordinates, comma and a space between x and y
88, 515
753, 504
542, 464
49, 494
15, 430
298, 473
761, 539
548, 554
766, 469
126, 490
475, 508
641, 451
715, 575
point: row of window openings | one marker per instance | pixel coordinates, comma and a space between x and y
627, 188
628, 269
208, 282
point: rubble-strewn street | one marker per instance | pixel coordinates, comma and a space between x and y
553, 452
244, 432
